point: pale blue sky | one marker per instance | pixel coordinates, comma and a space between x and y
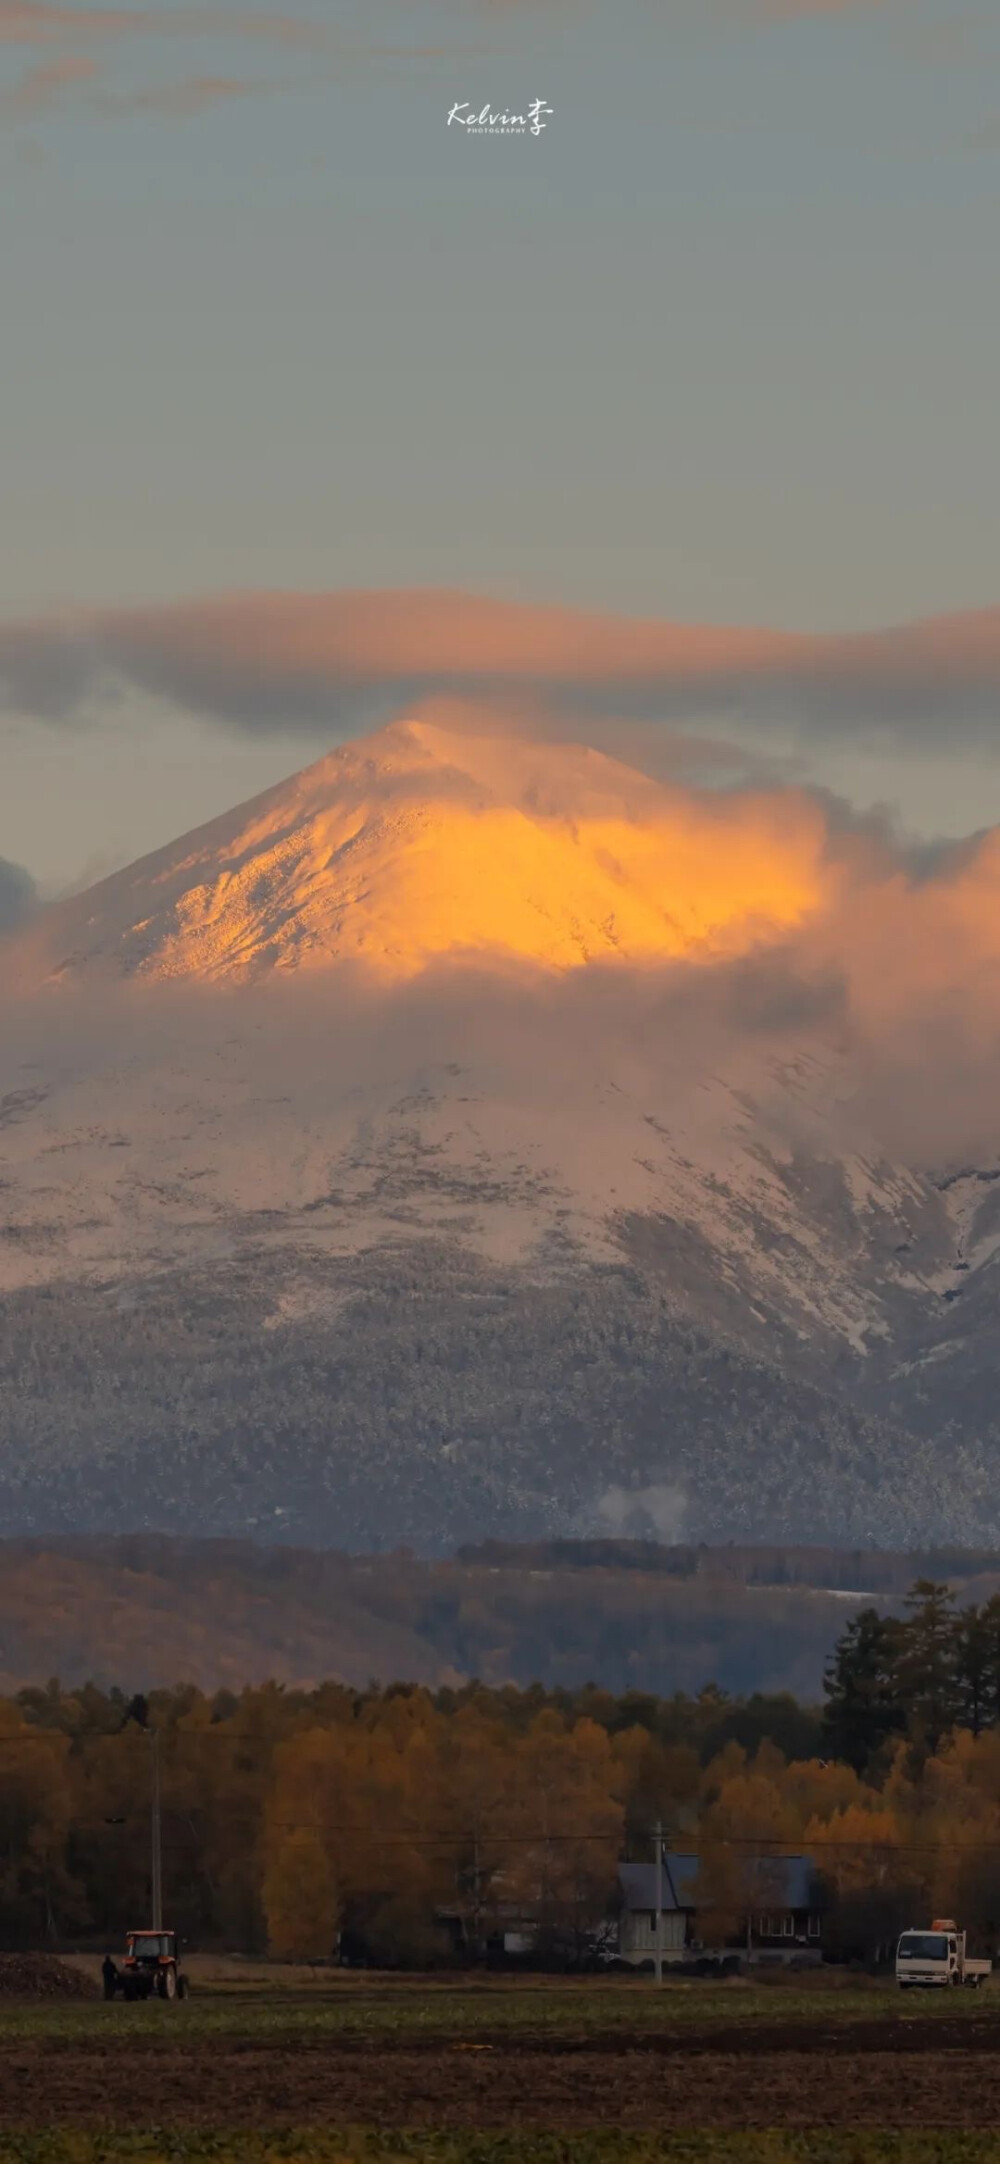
723, 344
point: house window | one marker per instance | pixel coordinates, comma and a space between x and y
788, 1927
813, 1926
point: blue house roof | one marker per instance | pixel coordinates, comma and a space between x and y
791, 1882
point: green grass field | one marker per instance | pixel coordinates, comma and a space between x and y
608, 2147
433, 2009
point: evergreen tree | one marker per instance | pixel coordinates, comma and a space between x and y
989, 1634
927, 1671
863, 1705
975, 1673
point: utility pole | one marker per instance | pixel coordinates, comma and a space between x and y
156, 1834
658, 1945
476, 1905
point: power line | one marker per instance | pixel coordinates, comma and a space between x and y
775, 1849
765, 1844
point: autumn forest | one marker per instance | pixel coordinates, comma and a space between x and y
405, 1826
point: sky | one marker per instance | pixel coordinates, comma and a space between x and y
717, 347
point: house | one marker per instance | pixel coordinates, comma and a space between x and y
784, 1919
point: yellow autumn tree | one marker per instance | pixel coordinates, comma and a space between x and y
655, 1781
745, 1829
566, 1828
300, 1898
815, 1789
857, 1848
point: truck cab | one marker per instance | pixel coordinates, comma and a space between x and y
926, 1957
937, 1957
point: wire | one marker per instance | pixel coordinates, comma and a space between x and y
779, 1849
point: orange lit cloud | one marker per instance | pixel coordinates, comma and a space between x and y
264, 662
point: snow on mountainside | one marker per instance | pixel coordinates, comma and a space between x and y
347, 1034
426, 841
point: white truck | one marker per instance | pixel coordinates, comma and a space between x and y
937, 1956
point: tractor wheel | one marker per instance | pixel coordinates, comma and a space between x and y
169, 1983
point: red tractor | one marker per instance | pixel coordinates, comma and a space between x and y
150, 1968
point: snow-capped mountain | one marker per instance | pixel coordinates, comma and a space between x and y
431, 841
431, 1147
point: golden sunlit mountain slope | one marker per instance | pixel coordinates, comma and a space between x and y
474, 1135
428, 841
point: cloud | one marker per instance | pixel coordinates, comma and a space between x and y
182, 100
41, 22
751, 943
35, 22
659, 1512
70, 34
268, 662
18, 896
890, 990
800, 10
46, 84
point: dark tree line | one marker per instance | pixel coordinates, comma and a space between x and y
919, 1675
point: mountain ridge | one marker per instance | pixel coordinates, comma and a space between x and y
427, 841
676, 1130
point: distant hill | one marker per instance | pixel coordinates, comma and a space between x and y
881, 1572
146, 1610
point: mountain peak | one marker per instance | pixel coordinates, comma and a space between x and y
435, 838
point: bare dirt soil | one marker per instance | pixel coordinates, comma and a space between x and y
921, 2074
42, 1976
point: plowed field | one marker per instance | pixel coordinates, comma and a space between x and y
882, 2073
